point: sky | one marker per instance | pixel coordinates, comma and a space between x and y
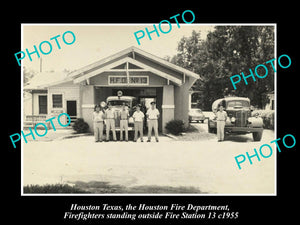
94, 42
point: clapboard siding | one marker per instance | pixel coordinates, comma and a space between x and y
68, 92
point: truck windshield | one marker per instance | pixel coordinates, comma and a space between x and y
238, 104
118, 102
196, 110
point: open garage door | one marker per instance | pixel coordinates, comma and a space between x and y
144, 95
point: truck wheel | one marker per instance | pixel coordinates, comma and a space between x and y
131, 135
210, 130
257, 136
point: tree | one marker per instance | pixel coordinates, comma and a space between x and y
27, 75
228, 50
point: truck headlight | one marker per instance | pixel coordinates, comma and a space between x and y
250, 120
232, 119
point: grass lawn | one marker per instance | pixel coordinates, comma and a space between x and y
99, 187
52, 188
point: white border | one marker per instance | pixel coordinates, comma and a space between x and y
275, 103
22, 114
139, 24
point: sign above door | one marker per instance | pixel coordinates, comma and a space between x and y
131, 81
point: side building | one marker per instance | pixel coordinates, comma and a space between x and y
133, 71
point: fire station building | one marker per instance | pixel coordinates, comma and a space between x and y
133, 71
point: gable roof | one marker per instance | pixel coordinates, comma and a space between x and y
132, 61
133, 50
46, 79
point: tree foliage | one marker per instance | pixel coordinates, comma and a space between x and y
27, 75
229, 50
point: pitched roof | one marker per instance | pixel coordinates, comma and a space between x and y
44, 79
133, 49
129, 60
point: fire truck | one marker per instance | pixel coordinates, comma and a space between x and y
240, 119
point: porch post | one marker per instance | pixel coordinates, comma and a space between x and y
168, 106
190, 99
87, 104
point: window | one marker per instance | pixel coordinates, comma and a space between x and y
196, 110
118, 102
238, 104
57, 101
42, 104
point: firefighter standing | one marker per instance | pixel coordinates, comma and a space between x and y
98, 118
124, 115
138, 117
110, 122
221, 118
152, 118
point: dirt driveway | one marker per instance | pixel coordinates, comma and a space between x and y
206, 165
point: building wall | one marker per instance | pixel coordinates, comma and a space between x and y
168, 105
69, 91
181, 97
87, 104
27, 104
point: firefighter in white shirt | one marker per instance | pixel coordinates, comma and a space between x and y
138, 117
221, 118
110, 117
98, 118
152, 118
124, 115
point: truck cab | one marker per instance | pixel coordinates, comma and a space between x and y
239, 120
117, 102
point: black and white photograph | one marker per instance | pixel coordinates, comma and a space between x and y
145, 109
150, 113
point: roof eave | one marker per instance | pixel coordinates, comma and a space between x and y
141, 52
166, 63
99, 62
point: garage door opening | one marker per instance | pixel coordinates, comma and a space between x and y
143, 95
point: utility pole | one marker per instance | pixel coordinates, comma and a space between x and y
40, 64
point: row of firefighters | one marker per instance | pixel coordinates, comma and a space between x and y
109, 115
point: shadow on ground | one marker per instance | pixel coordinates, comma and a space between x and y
238, 138
106, 187
195, 133
99, 187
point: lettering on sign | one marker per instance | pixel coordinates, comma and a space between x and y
133, 80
